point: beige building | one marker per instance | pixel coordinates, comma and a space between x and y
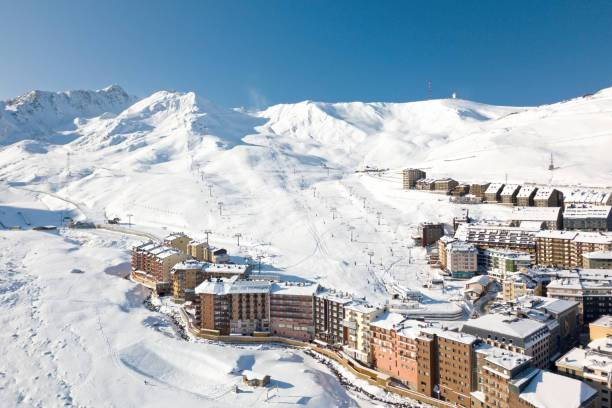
357, 318
601, 328
198, 250
520, 284
493, 193
597, 260
445, 184
525, 197
178, 240
548, 197
410, 177
564, 249
593, 366
442, 243
509, 193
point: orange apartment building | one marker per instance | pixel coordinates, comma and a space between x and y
187, 275
565, 249
233, 306
292, 309
394, 347
152, 263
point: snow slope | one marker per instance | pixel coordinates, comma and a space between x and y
283, 178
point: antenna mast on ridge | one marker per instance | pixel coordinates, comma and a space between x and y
551, 166
429, 88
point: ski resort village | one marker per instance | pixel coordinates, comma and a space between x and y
165, 251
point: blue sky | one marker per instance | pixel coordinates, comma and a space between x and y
253, 54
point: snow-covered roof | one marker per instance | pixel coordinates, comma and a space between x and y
482, 280
388, 320
189, 264
551, 305
607, 255
556, 234
167, 252
253, 375
477, 233
505, 325
494, 188
587, 211
225, 268
508, 254
605, 321
510, 189
294, 288
588, 196
361, 306
549, 390
232, 285
336, 296
506, 359
451, 335
526, 191
544, 193
175, 235
594, 237
536, 213
602, 345
460, 246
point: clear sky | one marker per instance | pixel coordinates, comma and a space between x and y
254, 54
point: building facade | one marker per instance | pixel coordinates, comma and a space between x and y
461, 259
597, 260
410, 177
292, 309
548, 197
329, 316
587, 217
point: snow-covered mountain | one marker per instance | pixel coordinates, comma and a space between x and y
284, 178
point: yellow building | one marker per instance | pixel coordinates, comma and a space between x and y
177, 240
601, 328
197, 250
520, 284
357, 317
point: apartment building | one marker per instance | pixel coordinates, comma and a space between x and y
292, 309
441, 245
509, 193
587, 217
394, 348
151, 265
460, 190
177, 240
551, 217
493, 192
198, 250
427, 184
234, 306
445, 185
593, 366
445, 363
591, 288
479, 189
428, 233
461, 259
329, 315
601, 328
519, 284
498, 237
561, 316
564, 249
495, 367
357, 318
499, 264
476, 287
597, 260
548, 197
594, 197
526, 196
410, 177
187, 275
521, 335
